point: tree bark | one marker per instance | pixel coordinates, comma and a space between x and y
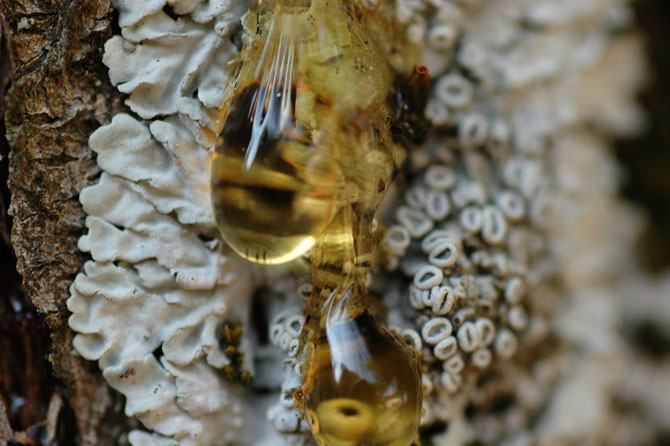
59, 94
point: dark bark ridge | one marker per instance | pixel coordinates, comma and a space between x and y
59, 94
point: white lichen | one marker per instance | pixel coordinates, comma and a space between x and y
149, 305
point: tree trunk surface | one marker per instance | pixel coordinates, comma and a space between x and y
58, 94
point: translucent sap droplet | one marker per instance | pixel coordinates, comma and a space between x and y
362, 384
270, 184
306, 128
272, 173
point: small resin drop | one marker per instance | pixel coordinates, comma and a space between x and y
362, 384
309, 97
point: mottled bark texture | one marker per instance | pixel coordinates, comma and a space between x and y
59, 93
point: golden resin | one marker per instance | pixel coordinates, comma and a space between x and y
361, 384
310, 90
305, 156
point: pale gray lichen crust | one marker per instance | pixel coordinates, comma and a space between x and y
150, 302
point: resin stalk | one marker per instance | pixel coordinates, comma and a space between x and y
304, 158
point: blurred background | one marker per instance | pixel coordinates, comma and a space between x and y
646, 158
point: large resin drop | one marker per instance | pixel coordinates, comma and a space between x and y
309, 90
362, 383
271, 184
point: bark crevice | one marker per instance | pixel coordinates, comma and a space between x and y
58, 94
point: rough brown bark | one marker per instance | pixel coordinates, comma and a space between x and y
59, 94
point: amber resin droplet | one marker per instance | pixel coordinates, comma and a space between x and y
270, 182
271, 176
363, 384
305, 83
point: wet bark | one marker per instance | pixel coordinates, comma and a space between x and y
58, 94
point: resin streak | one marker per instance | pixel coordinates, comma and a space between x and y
303, 161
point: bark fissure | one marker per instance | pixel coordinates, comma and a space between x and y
58, 95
